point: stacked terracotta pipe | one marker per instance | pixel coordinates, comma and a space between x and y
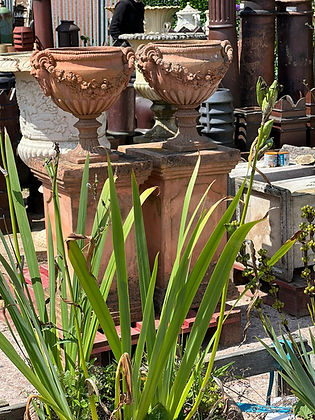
291, 22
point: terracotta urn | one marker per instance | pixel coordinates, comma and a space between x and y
185, 74
84, 82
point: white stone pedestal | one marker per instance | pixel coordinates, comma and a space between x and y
42, 122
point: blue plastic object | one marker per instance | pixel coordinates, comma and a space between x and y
257, 408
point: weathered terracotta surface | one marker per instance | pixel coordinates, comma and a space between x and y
185, 74
84, 82
162, 211
69, 184
221, 24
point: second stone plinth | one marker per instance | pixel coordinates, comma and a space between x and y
162, 211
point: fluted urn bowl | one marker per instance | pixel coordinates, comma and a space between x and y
84, 82
185, 74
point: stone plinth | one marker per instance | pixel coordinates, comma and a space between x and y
162, 211
69, 185
42, 122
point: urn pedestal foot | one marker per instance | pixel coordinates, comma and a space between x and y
178, 144
187, 138
157, 133
89, 144
97, 155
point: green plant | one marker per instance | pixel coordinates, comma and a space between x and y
159, 393
57, 354
296, 362
53, 353
306, 238
85, 40
165, 389
297, 368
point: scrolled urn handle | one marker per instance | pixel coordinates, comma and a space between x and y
43, 62
149, 53
228, 50
129, 56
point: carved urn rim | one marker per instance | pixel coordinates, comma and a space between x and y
189, 45
80, 53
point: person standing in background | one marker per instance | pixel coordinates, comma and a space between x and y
127, 18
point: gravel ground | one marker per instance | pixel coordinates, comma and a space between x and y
254, 389
14, 388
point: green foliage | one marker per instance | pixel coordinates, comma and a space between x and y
201, 5
296, 362
301, 410
167, 386
59, 356
266, 98
211, 398
54, 353
306, 238
77, 392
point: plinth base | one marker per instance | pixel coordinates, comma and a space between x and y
97, 156
205, 143
290, 293
293, 296
157, 133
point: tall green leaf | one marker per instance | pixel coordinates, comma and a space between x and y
26, 235
207, 307
109, 275
121, 269
95, 297
63, 411
143, 265
144, 334
182, 305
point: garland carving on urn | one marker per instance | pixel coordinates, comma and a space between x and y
150, 56
44, 69
185, 74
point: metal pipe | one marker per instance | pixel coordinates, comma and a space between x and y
43, 24
295, 32
257, 41
222, 25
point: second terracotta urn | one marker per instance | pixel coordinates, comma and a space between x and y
185, 74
